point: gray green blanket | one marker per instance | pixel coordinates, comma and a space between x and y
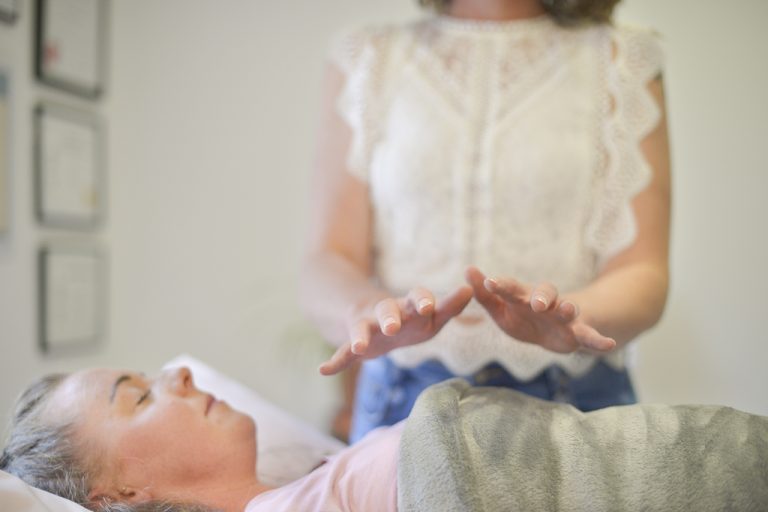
489, 449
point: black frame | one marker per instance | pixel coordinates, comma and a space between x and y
5, 152
49, 77
9, 16
46, 343
83, 119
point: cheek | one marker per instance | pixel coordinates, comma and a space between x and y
157, 445
178, 444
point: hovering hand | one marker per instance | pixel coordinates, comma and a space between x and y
393, 323
536, 314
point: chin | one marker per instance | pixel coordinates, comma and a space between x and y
247, 425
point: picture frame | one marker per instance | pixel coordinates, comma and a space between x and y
70, 39
5, 151
9, 11
69, 167
72, 295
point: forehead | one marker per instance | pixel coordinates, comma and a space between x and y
86, 391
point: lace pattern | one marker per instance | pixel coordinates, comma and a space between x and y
629, 113
361, 54
454, 125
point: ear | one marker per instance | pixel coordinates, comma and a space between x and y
123, 494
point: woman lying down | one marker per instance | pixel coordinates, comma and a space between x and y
117, 440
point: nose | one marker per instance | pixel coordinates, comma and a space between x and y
179, 380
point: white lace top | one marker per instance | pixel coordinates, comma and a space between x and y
513, 146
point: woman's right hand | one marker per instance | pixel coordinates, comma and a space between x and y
390, 323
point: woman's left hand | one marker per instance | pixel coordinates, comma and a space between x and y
536, 314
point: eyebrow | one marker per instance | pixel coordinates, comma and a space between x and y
119, 381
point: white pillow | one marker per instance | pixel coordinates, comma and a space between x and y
288, 447
17, 496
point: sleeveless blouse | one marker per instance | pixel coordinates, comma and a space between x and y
513, 146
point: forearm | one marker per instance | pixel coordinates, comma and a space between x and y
331, 287
629, 295
624, 302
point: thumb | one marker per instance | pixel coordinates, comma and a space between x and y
452, 305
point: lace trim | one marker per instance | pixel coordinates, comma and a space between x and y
466, 349
633, 58
361, 54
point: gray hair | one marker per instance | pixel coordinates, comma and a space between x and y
48, 457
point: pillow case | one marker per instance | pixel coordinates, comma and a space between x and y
17, 496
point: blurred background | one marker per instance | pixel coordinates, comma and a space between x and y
209, 113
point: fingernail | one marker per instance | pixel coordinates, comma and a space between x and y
542, 300
490, 283
357, 347
389, 321
424, 304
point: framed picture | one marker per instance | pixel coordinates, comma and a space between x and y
8, 10
72, 297
68, 167
70, 45
5, 150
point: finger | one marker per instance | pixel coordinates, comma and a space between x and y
388, 315
341, 359
452, 305
422, 300
567, 311
473, 275
509, 289
589, 338
543, 296
360, 337
476, 280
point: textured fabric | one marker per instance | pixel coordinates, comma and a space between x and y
493, 449
359, 478
385, 393
513, 146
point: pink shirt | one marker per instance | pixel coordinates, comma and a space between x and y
362, 477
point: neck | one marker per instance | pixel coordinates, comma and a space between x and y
495, 10
237, 499
230, 497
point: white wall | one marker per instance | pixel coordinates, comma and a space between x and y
712, 345
20, 360
211, 110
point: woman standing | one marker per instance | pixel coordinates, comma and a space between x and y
526, 138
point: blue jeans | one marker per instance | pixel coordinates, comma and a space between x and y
386, 393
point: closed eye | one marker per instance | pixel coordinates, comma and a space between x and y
143, 397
